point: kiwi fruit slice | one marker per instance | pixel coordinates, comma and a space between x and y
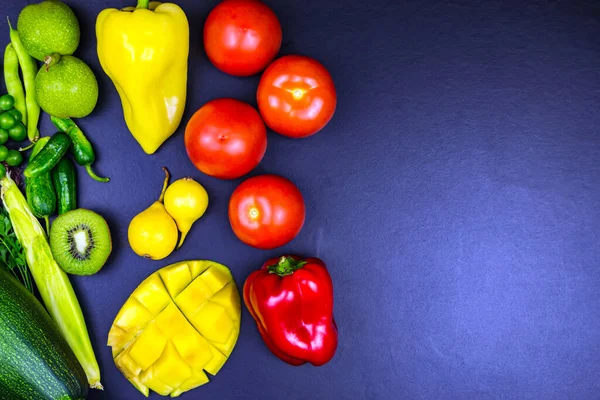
80, 241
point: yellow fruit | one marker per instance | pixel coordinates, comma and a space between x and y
180, 323
186, 201
153, 232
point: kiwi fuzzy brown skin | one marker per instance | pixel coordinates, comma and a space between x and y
80, 241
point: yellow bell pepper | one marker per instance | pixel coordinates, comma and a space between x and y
144, 51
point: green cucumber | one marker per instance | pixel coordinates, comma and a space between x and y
39, 190
64, 179
35, 360
49, 156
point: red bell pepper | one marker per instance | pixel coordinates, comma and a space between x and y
291, 300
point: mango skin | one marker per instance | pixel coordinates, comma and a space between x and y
179, 324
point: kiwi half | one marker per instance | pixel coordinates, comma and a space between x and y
80, 241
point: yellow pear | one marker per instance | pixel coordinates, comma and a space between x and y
186, 201
153, 232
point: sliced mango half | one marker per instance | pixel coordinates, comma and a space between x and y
179, 324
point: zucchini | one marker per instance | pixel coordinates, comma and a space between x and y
52, 282
49, 156
39, 190
64, 179
36, 362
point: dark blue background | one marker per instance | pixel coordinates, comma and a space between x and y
454, 197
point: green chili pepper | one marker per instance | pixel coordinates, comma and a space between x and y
29, 71
83, 151
14, 86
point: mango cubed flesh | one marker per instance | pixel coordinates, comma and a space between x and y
148, 347
176, 277
198, 267
180, 323
151, 294
197, 379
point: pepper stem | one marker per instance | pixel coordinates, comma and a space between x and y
29, 146
88, 168
165, 184
286, 265
142, 4
50, 60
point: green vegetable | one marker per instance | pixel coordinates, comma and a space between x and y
3, 153
48, 27
2, 171
29, 71
14, 158
52, 282
64, 179
66, 87
82, 148
14, 86
12, 256
7, 102
39, 191
49, 156
18, 132
37, 362
17, 114
3, 136
7, 120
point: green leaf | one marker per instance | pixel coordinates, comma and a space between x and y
12, 256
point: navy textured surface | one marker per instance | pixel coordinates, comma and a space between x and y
455, 197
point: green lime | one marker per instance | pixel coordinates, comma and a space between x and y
3, 136
7, 120
18, 133
3, 152
2, 171
14, 158
7, 102
17, 114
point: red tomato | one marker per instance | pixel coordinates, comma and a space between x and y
226, 138
266, 211
296, 96
241, 37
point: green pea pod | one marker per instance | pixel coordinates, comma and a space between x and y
39, 190
64, 179
82, 148
14, 86
49, 156
29, 71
